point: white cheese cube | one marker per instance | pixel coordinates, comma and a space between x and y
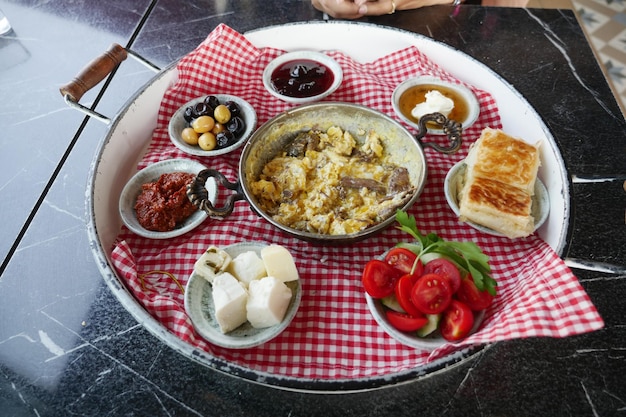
212, 262
268, 299
247, 267
229, 299
279, 263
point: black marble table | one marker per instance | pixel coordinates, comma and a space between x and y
68, 347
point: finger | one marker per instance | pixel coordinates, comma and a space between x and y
340, 9
377, 8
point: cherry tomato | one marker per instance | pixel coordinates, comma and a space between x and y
457, 321
403, 294
405, 322
446, 269
379, 278
473, 297
431, 294
404, 260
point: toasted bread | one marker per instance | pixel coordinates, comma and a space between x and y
499, 182
498, 206
503, 158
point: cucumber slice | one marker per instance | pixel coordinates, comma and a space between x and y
431, 326
391, 302
427, 257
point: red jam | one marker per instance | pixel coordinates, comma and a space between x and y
302, 78
163, 204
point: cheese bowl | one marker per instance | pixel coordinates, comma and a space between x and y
201, 309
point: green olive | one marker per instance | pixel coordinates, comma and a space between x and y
221, 114
207, 141
189, 136
203, 124
218, 128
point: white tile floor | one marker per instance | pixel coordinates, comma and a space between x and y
605, 24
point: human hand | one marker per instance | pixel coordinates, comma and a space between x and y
340, 9
353, 9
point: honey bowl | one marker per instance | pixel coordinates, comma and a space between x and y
417, 91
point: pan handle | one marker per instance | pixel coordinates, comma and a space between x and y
199, 196
451, 128
94, 72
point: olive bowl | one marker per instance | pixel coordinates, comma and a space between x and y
403, 149
178, 122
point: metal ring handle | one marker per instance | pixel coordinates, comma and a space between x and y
199, 196
452, 129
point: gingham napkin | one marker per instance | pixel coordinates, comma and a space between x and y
333, 335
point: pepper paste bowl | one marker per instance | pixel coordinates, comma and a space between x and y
151, 173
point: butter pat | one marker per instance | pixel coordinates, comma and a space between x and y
230, 299
279, 263
211, 263
435, 103
268, 299
247, 267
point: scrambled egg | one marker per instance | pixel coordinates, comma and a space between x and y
324, 182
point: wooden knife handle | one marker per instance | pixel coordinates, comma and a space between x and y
94, 72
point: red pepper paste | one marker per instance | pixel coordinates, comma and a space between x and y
163, 204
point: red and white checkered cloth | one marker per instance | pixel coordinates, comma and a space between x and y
333, 335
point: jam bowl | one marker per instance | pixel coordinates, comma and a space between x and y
418, 96
302, 76
212, 125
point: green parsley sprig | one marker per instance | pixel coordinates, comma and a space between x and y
467, 255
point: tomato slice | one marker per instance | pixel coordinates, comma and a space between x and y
379, 278
473, 297
446, 269
405, 322
403, 294
431, 294
404, 260
457, 321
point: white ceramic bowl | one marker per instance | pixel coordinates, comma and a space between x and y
178, 123
318, 57
429, 343
540, 200
200, 308
151, 173
462, 94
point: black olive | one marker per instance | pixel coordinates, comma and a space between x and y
201, 109
188, 115
211, 101
236, 125
225, 138
233, 107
